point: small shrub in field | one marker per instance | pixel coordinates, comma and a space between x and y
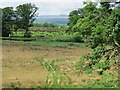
77, 39
88, 63
15, 85
102, 65
28, 34
84, 64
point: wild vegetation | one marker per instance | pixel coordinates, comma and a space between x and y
99, 28
84, 54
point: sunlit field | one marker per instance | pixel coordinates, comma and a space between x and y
77, 45
51, 59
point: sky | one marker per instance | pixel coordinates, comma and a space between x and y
47, 7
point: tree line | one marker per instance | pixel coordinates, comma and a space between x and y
21, 18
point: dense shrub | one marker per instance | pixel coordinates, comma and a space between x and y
28, 34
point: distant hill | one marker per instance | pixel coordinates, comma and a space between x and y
55, 19
62, 15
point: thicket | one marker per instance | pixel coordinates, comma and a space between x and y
99, 28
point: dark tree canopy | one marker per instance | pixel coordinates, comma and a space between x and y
7, 21
0, 22
25, 16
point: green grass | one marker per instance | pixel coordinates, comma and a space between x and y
100, 84
54, 75
56, 36
40, 38
61, 39
107, 81
18, 38
55, 79
55, 43
48, 43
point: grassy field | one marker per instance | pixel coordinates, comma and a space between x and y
50, 61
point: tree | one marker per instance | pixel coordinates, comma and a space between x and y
7, 21
0, 22
73, 17
100, 28
107, 32
115, 29
85, 23
25, 16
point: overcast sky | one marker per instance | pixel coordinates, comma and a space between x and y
47, 7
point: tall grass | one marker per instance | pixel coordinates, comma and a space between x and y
55, 79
